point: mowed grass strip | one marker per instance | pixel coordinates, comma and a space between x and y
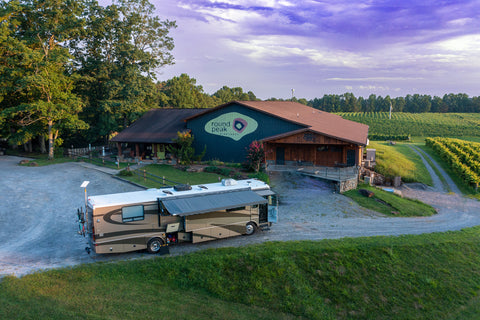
389, 203
432, 276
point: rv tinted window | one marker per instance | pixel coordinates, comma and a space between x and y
133, 213
236, 209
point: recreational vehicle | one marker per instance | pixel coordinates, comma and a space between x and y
154, 218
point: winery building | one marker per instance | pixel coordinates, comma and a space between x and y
292, 133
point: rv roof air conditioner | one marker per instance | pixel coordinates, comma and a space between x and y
182, 187
229, 182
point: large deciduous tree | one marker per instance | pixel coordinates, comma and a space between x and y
226, 94
183, 92
122, 47
41, 68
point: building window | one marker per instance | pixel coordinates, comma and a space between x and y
133, 213
336, 149
322, 149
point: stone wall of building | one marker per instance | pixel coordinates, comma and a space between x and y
346, 185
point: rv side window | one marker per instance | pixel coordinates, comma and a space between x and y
132, 213
235, 209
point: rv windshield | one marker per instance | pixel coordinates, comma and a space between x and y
272, 200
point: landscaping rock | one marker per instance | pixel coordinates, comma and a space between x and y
24, 161
366, 193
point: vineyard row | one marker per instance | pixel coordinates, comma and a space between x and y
463, 157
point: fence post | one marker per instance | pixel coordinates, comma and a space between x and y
163, 180
144, 175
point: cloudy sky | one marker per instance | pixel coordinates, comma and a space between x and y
269, 47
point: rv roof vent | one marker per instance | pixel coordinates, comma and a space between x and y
182, 187
167, 192
229, 182
203, 187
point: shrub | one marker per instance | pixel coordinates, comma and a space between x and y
255, 155
222, 171
260, 176
211, 169
184, 151
125, 173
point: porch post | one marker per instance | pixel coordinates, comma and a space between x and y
137, 150
119, 148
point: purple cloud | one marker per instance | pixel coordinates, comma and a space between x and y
389, 46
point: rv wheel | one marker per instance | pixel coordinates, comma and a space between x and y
154, 245
250, 228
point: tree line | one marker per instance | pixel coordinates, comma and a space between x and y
74, 72
183, 92
416, 103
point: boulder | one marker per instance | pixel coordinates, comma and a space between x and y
366, 193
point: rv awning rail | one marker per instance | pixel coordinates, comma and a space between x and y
264, 192
211, 202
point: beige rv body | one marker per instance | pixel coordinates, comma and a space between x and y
141, 216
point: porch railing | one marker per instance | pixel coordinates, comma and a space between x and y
329, 173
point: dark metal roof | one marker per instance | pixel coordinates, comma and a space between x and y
157, 126
212, 202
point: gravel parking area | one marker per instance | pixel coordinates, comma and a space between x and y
39, 228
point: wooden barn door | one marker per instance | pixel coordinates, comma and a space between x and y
350, 158
280, 156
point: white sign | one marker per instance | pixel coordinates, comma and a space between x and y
232, 125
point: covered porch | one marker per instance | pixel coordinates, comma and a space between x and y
142, 151
305, 148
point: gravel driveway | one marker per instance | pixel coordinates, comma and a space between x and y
39, 228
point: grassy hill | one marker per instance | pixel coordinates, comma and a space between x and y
432, 276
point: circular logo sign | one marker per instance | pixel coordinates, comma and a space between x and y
232, 125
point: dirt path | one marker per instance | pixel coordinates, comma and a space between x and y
437, 183
39, 229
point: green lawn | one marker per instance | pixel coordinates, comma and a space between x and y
389, 203
430, 276
172, 174
42, 160
106, 163
400, 160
